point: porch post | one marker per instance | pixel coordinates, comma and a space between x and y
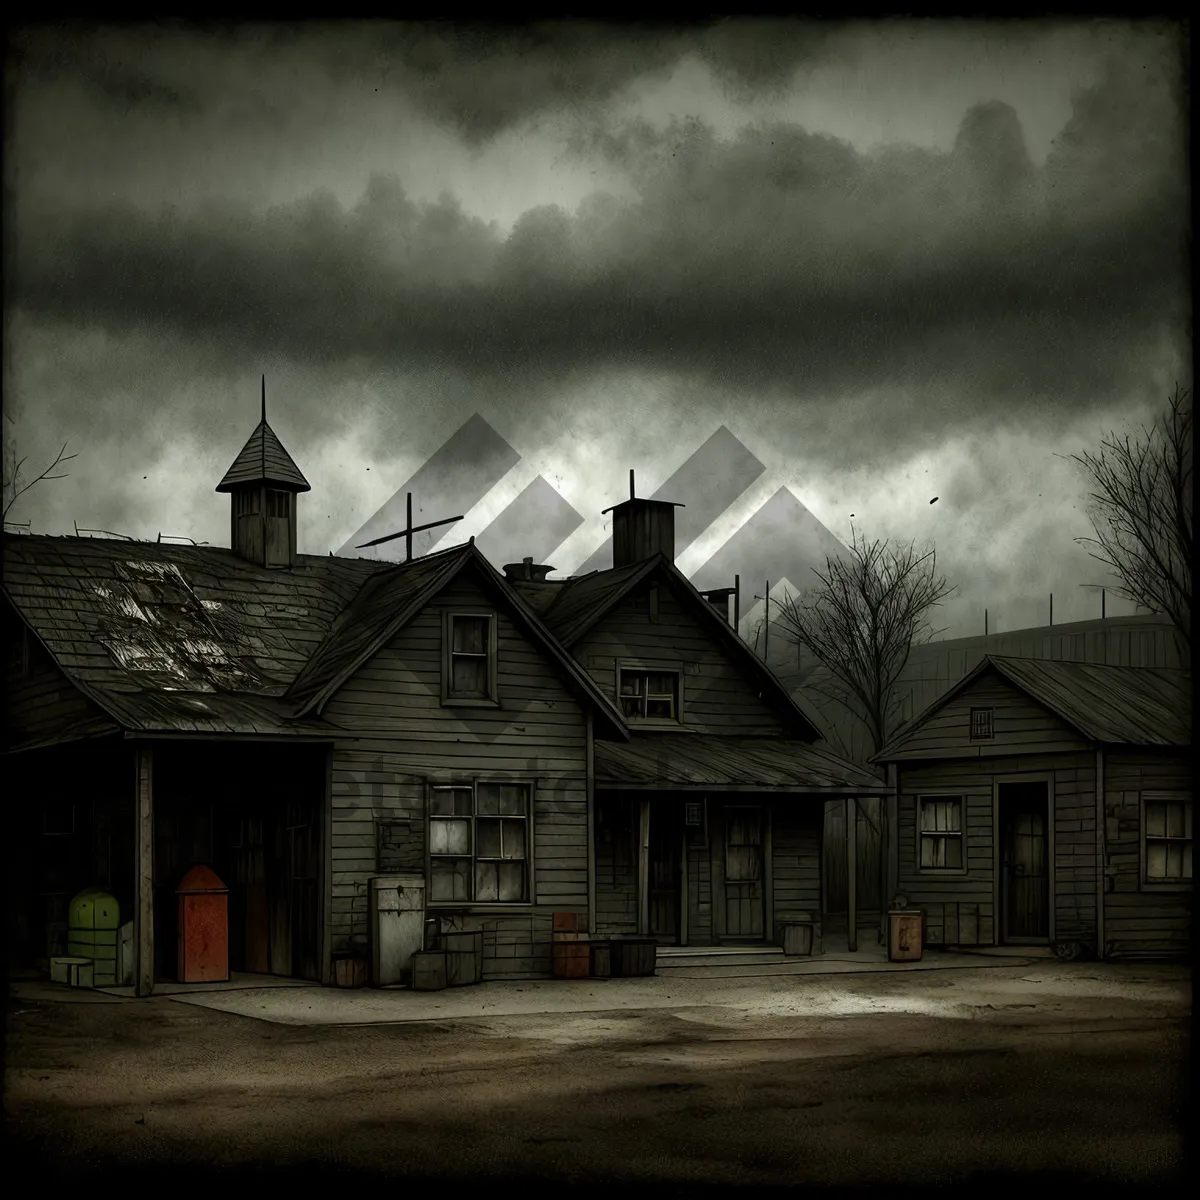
326, 971
644, 870
143, 859
851, 873
590, 784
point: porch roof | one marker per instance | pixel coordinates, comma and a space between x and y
686, 762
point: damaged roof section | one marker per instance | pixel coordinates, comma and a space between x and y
155, 632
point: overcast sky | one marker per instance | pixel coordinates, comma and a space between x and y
895, 260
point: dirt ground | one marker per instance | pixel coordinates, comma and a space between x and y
1016, 1075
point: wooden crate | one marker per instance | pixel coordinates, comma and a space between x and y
633, 957
572, 960
429, 970
601, 953
464, 957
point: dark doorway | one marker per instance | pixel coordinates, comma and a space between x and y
666, 836
744, 909
1024, 862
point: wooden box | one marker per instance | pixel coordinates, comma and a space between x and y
429, 971
464, 957
633, 957
572, 960
601, 953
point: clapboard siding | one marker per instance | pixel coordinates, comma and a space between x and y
1140, 922
717, 695
616, 866
405, 740
1019, 723
40, 702
961, 908
796, 861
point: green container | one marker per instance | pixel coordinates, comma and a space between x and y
94, 923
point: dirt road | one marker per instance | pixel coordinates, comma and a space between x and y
1016, 1083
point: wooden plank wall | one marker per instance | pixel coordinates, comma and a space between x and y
407, 739
616, 865
39, 700
1020, 724
943, 897
1140, 923
796, 861
718, 696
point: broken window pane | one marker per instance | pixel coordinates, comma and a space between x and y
469, 676
450, 802
1156, 820
487, 835
512, 881
450, 878
513, 845
487, 881
470, 635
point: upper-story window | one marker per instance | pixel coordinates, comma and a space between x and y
648, 694
981, 725
469, 667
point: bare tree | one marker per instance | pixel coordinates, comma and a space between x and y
1141, 512
861, 621
14, 489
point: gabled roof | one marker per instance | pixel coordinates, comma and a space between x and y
177, 638
687, 761
395, 596
583, 602
1122, 706
263, 459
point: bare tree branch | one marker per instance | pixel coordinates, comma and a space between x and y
860, 622
13, 492
1140, 507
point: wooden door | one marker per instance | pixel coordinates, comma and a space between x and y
743, 873
664, 873
250, 857
1024, 862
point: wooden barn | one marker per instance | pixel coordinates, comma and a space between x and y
606, 746
1049, 802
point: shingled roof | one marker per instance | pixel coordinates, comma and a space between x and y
264, 460
1109, 705
169, 637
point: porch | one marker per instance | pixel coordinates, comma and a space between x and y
132, 818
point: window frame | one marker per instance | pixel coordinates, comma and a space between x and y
948, 794
1161, 796
990, 736
650, 667
472, 784
492, 699
271, 499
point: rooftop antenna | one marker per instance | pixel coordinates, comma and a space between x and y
407, 532
632, 493
263, 443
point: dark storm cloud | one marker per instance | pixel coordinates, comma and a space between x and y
478, 79
780, 262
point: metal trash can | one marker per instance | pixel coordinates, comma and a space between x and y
904, 934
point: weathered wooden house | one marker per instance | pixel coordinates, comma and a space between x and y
709, 818
1049, 802
304, 723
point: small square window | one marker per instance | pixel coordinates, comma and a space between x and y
1166, 839
981, 724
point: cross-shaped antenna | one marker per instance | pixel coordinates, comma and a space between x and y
766, 618
407, 532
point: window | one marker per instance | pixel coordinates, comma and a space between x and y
1167, 838
743, 845
479, 844
278, 503
470, 664
650, 695
981, 724
939, 833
